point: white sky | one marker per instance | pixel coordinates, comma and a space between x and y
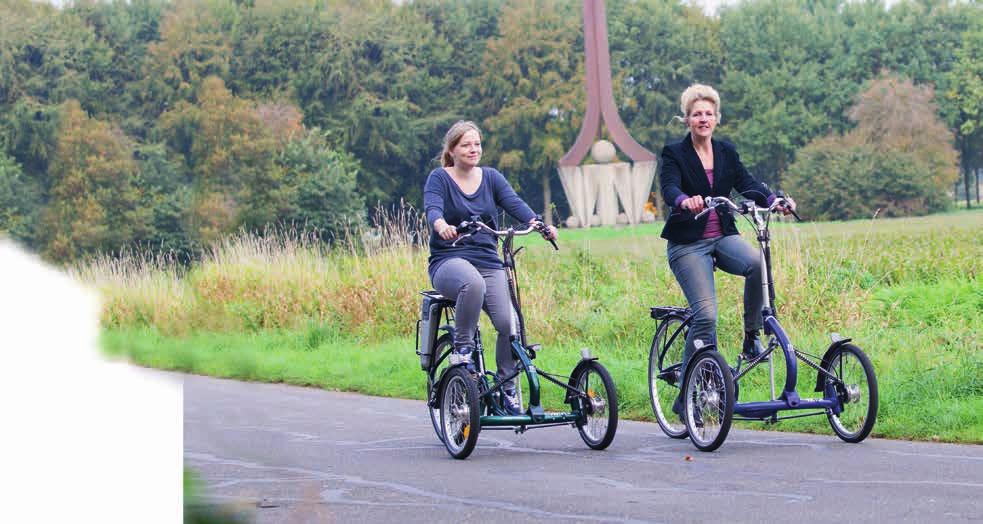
710, 6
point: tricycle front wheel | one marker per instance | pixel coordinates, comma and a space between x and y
441, 352
709, 400
460, 418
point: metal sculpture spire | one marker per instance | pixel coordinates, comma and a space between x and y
602, 185
600, 96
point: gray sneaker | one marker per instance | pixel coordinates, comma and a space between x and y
461, 356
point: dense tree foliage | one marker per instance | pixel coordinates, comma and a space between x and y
963, 95
169, 123
94, 198
532, 90
16, 199
897, 161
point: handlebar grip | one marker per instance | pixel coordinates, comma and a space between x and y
468, 226
543, 229
790, 210
781, 194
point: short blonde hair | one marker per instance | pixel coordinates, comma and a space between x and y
695, 93
452, 137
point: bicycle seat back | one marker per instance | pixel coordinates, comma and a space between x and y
431, 309
436, 297
661, 312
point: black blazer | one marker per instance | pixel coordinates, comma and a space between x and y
681, 173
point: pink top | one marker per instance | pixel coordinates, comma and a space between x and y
713, 222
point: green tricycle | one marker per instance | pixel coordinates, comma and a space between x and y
462, 402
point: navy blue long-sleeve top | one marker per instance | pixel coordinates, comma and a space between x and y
443, 198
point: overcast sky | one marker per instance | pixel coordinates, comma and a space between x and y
710, 6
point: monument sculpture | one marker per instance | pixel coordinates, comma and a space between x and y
594, 190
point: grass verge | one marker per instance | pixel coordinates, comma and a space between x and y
274, 309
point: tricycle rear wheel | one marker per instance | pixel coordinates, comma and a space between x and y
599, 404
856, 391
666, 375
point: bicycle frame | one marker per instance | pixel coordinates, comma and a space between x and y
789, 398
524, 353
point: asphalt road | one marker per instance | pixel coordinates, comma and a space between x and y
283, 454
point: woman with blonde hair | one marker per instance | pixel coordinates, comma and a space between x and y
696, 167
470, 271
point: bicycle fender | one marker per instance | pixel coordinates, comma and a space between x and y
580, 365
827, 357
439, 390
441, 382
708, 347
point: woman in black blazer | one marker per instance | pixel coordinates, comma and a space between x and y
692, 169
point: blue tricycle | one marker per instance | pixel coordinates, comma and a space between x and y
844, 374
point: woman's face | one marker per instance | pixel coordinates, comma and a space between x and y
467, 152
702, 118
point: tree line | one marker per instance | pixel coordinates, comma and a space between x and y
168, 124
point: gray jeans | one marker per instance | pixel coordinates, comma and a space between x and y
475, 289
692, 264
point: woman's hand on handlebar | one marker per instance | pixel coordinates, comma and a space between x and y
693, 204
786, 208
548, 232
785, 205
445, 230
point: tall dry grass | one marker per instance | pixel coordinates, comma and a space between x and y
596, 289
363, 284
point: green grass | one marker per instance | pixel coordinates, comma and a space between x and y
906, 290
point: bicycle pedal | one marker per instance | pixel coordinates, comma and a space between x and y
532, 349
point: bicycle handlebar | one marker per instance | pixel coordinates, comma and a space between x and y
537, 226
746, 207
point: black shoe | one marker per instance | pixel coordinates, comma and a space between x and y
697, 417
677, 408
752, 345
510, 401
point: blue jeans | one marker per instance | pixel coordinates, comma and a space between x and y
692, 264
